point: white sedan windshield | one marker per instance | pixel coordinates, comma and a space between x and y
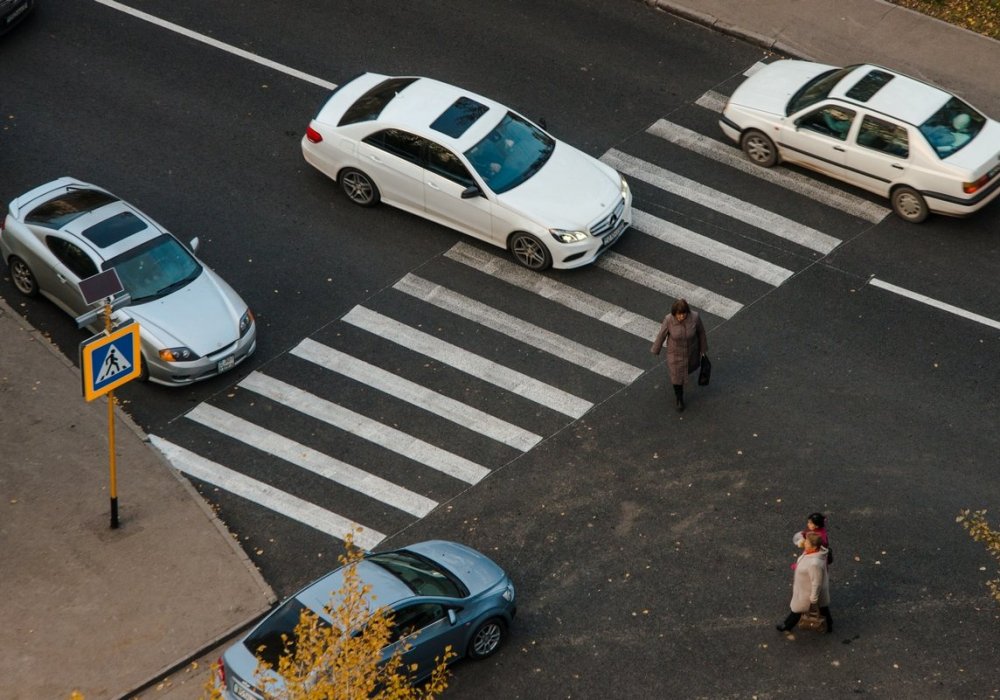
511, 153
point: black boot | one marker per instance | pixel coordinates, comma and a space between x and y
679, 393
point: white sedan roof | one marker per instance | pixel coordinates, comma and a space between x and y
416, 107
902, 97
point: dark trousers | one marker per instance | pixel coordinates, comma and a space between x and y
793, 619
679, 391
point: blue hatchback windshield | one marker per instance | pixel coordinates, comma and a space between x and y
511, 153
155, 268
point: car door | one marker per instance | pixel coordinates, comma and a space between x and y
69, 264
427, 629
445, 180
880, 155
394, 159
817, 139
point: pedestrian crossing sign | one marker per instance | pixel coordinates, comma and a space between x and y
109, 360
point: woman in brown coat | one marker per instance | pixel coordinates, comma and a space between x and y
684, 334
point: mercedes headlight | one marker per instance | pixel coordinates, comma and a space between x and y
565, 236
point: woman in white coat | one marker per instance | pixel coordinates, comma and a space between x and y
811, 585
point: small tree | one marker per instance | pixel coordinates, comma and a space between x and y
342, 658
979, 529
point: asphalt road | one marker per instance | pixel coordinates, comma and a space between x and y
651, 550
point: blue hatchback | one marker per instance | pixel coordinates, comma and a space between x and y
440, 594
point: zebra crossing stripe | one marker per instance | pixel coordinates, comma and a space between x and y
712, 100
548, 288
468, 362
669, 285
265, 495
709, 248
791, 180
306, 457
378, 433
759, 217
405, 390
521, 330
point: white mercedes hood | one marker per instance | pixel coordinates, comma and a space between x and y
571, 191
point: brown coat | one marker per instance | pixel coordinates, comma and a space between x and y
686, 343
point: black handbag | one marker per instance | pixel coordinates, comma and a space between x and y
706, 371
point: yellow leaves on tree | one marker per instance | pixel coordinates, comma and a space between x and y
979, 529
342, 656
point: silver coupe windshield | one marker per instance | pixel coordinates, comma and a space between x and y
155, 268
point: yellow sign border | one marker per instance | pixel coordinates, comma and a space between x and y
87, 362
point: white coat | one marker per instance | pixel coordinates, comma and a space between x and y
811, 584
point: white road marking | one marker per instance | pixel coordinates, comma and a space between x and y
712, 100
794, 181
265, 495
668, 284
754, 68
548, 288
468, 362
422, 397
530, 334
379, 433
215, 43
758, 217
306, 457
940, 305
710, 248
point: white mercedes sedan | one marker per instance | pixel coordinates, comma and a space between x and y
923, 148
471, 164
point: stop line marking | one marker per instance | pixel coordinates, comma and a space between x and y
215, 43
940, 305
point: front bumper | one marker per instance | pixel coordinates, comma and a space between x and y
220, 362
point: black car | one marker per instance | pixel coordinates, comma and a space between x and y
13, 11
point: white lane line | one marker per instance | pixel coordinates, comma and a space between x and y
758, 217
468, 362
797, 182
215, 43
378, 433
547, 341
709, 248
754, 68
940, 305
669, 285
712, 100
422, 397
265, 495
547, 288
306, 457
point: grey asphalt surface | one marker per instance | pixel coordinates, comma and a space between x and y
111, 612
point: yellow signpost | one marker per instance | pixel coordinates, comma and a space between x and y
107, 361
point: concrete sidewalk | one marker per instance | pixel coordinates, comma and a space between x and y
86, 607
860, 31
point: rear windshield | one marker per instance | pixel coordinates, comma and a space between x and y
952, 128
266, 641
60, 211
370, 105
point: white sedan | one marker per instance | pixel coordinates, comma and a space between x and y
901, 138
471, 164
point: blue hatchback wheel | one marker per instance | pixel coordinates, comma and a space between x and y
487, 639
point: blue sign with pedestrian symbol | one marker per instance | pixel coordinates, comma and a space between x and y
109, 360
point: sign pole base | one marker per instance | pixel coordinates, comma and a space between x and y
114, 513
